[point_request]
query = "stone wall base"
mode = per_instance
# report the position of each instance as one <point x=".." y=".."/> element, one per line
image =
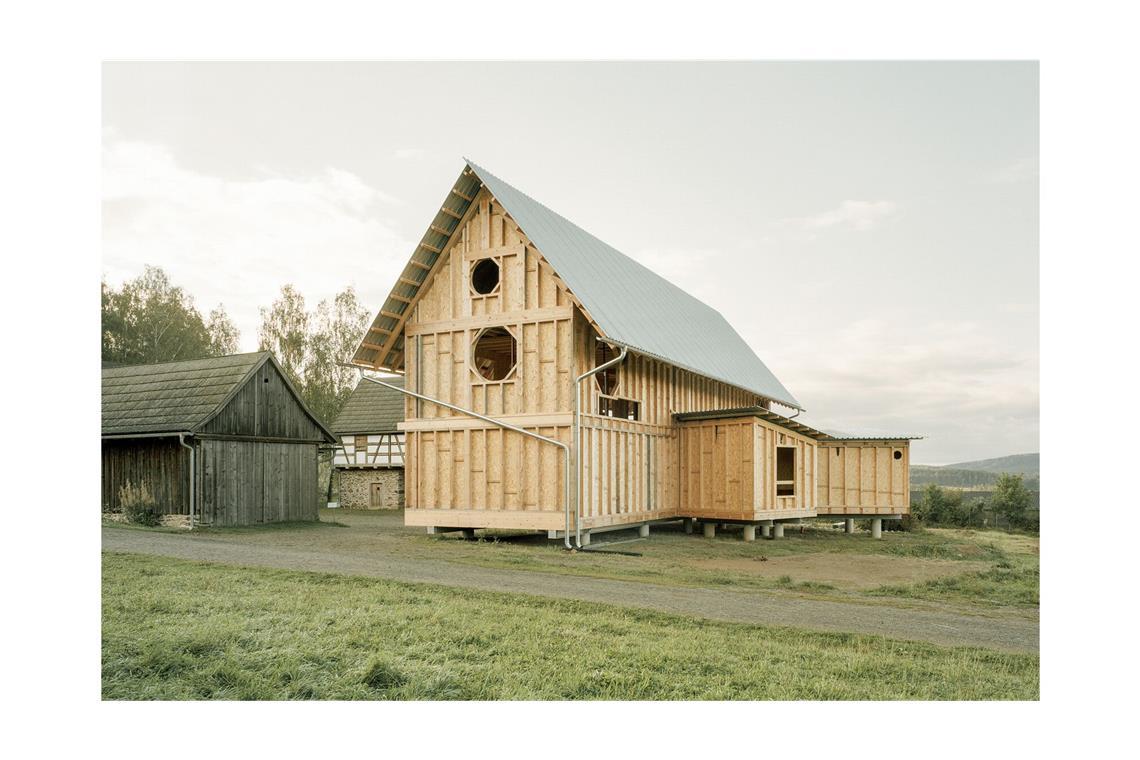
<point x="370" y="489"/>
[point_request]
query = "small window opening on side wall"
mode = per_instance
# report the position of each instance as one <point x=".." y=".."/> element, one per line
<point x="607" y="379"/>
<point x="785" y="471"/>
<point x="898" y="454"/>
<point x="621" y="408"/>
<point x="485" y="276"/>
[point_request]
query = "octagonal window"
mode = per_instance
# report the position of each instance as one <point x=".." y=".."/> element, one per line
<point x="485" y="276"/>
<point x="495" y="354"/>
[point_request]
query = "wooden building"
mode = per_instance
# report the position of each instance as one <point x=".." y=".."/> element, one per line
<point x="368" y="461"/>
<point x="226" y="440"/>
<point x="504" y="305"/>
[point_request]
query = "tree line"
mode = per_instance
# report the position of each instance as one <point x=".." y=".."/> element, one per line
<point x="1010" y="501"/>
<point x="149" y="320"/>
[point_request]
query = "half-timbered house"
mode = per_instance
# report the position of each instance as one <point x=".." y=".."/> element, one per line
<point x="368" y="461"/>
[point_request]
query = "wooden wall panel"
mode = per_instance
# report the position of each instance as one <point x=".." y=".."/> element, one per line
<point x="863" y="477"/>
<point x="253" y="482"/>
<point x="728" y="470"/>
<point x="161" y="463"/>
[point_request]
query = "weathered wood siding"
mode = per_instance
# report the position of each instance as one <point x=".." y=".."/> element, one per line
<point x="864" y="478"/>
<point x="252" y="482"/>
<point x="264" y="407"/>
<point x="728" y="470"/>
<point x="159" y="462"/>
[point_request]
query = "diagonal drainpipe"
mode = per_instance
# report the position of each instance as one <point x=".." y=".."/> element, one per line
<point x="506" y="426"/>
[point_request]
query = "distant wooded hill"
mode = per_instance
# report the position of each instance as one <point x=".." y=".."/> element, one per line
<point x="979" y="474"/>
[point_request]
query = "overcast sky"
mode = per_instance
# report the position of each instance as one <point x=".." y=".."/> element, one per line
<point x="870" y="229"/>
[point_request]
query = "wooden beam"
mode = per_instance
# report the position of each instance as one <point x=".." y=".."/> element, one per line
<point x="420" y="264"/>
<point x="467" y="198"/>
<point x="399" y="297"/>
<point x="450" y="213"/>
<point x="373" y="346"/>
<point x="431" y="248"/>
<point x="410" y="281"/>
<point x="440" y="230"/>
<point x="392" y="314"/>
<point x="379" y="330"/>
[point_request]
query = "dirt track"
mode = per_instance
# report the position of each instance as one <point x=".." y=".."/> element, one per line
<point x="939" y="627"/>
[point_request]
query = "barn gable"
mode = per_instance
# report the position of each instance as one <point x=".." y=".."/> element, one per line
<point x="624" y="301"/>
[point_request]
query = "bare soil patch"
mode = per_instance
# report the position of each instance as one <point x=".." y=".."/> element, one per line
<point x="846" y="571"/>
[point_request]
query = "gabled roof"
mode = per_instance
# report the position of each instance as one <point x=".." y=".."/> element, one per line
<point x="789" y="423"/>
<point x="630" y="304"/>
<point x="371" y="408"/>
<point x="179" y="397"/>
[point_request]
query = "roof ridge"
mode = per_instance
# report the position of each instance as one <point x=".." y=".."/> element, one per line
<point x="184" y="361"/>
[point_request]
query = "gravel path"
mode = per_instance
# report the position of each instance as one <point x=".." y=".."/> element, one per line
<point x="939" y="627"/>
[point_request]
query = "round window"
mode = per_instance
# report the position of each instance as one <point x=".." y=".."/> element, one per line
<point x="495" y="353"/>
<point x="898" y="454"/>
<point x="485" y="276"/>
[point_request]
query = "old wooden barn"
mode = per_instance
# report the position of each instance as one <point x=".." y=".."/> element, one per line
<point x="222" y="441"/>
<point x="516" y="318"/>
<point x="369" y="458"/>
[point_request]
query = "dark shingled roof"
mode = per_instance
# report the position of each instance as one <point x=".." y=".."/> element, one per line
<point x="371" y="408"/>
<point x="175" y="397"/>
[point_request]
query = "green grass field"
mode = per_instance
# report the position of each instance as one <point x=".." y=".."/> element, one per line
<point x="174" y="629"/>
<point x="1010" y="577"/>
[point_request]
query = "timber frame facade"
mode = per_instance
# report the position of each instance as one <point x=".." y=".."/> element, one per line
<point x="481" y="319"/>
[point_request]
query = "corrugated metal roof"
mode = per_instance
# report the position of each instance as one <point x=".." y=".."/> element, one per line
<point x="791" y="424"/>
<point x="372" y="408"/>
<point x="634" y="306"/>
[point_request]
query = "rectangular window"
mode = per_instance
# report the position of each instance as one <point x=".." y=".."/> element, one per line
<point x="621" y="408"/>
<point x="785" y="470"/>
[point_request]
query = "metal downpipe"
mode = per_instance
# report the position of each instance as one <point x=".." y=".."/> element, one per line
<point x="577" y="441"/>
<point x="499" y="423"/>
<point x="193" y="472"/>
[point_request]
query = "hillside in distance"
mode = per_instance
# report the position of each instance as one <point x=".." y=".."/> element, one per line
<point x="1018" y="464"/>
<point x="979" y="474"/>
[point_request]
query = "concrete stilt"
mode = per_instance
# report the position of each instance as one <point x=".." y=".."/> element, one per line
<point x="688" y="524"/>
<point x="849" y="525"/>
<point x="710" y="530"/>
<point x="469" y="534"/>
<point x="766" y="531"/>
<point x="643" y="530"/>
<point x="877" y="527"/>
<point x="585" y="538"/>
<point x="749" y="532"/>
<point x="778" y="530"/>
